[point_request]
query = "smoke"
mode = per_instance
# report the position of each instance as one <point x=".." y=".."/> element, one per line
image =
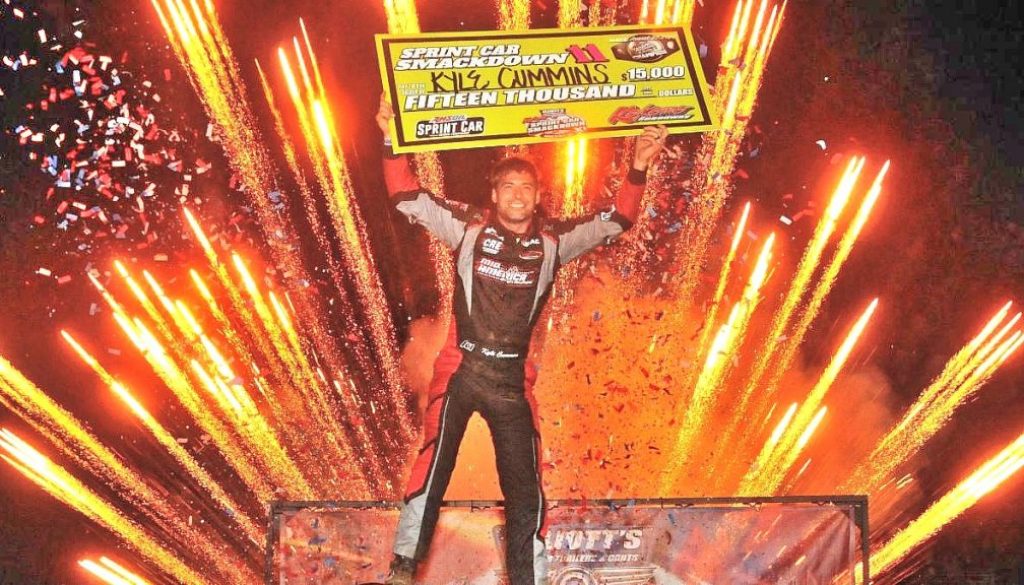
<point x="426" y="337"/>
<point x="616" y="372"/>
<point x="861" y="409"/>
<point x="475" y="476"/>
<point x="612" y="371"/>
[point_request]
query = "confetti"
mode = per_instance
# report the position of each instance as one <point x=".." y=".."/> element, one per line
<point x="98" y="131"/>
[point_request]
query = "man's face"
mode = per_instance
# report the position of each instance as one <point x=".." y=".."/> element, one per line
<point x="516" y="196"/>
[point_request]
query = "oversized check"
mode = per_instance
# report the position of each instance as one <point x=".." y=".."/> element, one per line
<point x="495" y="88"/>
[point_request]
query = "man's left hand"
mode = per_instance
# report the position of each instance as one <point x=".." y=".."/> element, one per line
<point x="648" y="145"/>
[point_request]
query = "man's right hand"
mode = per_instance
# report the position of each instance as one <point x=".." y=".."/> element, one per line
<point x="385" y="115"/>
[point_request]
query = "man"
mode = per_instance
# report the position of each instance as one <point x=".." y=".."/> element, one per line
<point x="506" y="259"/>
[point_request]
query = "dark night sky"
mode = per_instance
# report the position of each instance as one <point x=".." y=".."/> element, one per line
<point x="937" y="89"/>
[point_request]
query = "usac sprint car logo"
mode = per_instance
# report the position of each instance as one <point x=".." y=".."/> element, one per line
<point x="450" y="127"/>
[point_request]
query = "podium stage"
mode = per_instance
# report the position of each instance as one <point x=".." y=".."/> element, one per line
<point x="714" y="541"/>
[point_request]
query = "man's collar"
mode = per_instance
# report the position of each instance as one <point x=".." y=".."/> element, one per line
<point x="532" y="230"/>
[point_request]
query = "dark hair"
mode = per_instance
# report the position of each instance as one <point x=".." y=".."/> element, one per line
<point x="512" y="164"/>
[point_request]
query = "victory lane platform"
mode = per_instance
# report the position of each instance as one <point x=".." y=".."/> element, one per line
<point x="819" y="539"/>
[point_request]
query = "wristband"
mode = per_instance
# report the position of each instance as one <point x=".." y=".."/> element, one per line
<point x="636" y="176"/>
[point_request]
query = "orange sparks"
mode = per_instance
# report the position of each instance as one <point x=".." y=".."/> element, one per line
<point x="736" y="89"/>
<point x="514" y="14"/>
<point x="575" y="177"/>
<point x="962" y="376"/>
<point x="988" y="477"/>
<point x="299" y="391"/>
<point x="251" y="529"/>
<point x="723" y="280"/>
<point x="197" y="40"/>
<point x="808" y="265"/>
<point x="729" y="338"/>
<point x="660" y="12"/>
<point x="809" y="432"/>
<point x="827" y="280"/>
<point x="766" y="477"/>
<point x="87" y="357"/>
<point x="178" y="381"/>
<point x="402" y="17"/>
<point x="57" y="482"/>
<point x="781" y="428"/>
<point x="111" y="572"/>
<point x="315" y="121"/>
<point x="65" y="431"/>
<point x="196" y="37"/>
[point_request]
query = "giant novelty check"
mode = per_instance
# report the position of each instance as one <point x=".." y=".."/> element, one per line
<point x="495" y="88"/>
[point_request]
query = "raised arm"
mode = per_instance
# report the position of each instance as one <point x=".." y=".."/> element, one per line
<point x="445" y="219"/>
<point x="398" y="175"/>
<point x="578" y="236"/>
<point x="648" y="145"/>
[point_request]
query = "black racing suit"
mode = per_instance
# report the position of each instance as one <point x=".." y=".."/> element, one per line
<point x="502" y="282"/>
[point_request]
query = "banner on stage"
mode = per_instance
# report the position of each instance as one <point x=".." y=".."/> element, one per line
<point x="664" y="542"/>
<point x="496" y="88"/>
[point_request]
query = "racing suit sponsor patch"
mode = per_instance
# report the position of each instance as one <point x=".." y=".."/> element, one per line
<point x="508" y="274"/>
